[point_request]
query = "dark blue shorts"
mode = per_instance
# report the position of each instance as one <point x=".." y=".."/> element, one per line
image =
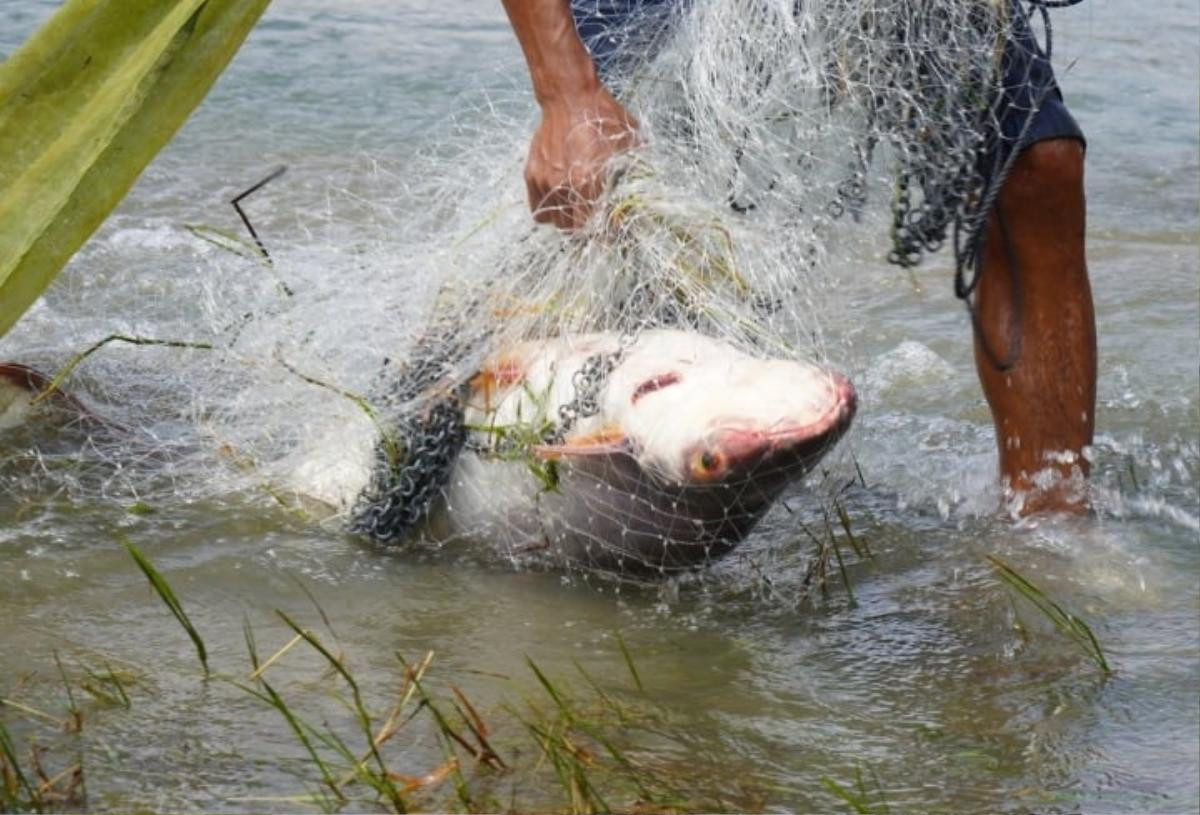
<point x="608" y="30"/>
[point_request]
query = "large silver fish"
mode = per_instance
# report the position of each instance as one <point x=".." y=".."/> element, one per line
<point x="685" y="446"/>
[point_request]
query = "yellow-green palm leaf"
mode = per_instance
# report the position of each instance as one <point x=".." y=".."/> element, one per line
<point x="85" y="104"/>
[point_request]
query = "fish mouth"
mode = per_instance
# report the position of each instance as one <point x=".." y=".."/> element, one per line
<point x="790" y="449"/>
<point x="823" y="432"/>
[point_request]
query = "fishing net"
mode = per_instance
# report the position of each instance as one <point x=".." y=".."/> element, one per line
<point x="772" y="131"/>
<point x="768" y="126"/>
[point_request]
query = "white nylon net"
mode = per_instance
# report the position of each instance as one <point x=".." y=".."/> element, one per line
<point x="633" y="397"/>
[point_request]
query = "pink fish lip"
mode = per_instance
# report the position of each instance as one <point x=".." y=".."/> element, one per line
<point x="836" y="420"/>
<point x="744" y="449"/>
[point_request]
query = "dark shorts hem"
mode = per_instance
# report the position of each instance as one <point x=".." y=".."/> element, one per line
<point x="1030" y="90"/>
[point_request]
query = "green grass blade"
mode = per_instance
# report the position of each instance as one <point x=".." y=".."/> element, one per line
<point x="163" y="589"/>
<point x="837" y="553"/>
<point x="851" y="799"/>
<point x="860" y="546"/>
<point x="99" y="684"/>
<point x="276" y="701"/>
<point x="859" y="799"/>
<point x="606" y="700"/>
<point x="15" y="776"/>
<point x="320" y="648"/>
<point x="85" y="104"/>
<point x="251" y="645"/>
<point x="313" y="599"/>
<point x="75" y="360"/>
<point x="551" y="691"/>
<point x="116" y="682"/>
<point x="1065" y="621"/>
<point x="858" y="469"/>
<point x="62" y="672"/>
<point x="225" y="240"/>
<point x="637" y="680"/>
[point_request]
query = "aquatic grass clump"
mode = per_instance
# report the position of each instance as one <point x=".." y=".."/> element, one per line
<point x="860" y="798"/>
<point x="587" y="741"/>
<point x="25" y="783"/>
<point x="27" y="787"/>
<point x="829" y="544"/>
<point x="337" y="763"/>
<point x="569" y="738"/>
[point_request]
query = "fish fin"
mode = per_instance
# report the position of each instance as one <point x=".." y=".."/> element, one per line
<point x="496" y="378"/>
<point x="23" y="377"/>
<point x="606" y="441"/>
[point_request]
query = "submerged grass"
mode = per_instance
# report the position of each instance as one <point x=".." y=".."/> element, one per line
<point x="107" y="687"/>
<point x="74" y="722"/>
<point x="595" y="749"/>
<point x="301" y="731"/>
<point x="860" y="798"/>
<point x="837" y="527"/>
<point x="633" y="672"/>
<point x="380" y="780"/>
<point x="1066" y="622"/>
<point x="585" y="743"/>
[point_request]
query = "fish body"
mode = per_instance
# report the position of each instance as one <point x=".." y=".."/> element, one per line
<point x="25" y="392"/>
<point x="648" y="457"/>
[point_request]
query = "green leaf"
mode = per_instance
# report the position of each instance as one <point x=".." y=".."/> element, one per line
<point x="85" y="104"/>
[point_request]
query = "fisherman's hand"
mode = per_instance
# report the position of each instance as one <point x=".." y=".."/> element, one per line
<point x="566" y="169"/>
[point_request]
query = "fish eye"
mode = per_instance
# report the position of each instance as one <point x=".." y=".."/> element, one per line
<point x="707" y="464"/>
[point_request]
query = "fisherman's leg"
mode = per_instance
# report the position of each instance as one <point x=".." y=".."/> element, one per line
<point x="1034" y="283"/>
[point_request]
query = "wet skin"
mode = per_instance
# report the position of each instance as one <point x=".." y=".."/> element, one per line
<point x="1045" y="403"/>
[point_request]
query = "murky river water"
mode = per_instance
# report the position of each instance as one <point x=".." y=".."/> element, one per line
<point x="931" y="685"/>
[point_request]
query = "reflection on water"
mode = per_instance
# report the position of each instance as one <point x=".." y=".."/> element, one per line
<point x="932" y="680"/>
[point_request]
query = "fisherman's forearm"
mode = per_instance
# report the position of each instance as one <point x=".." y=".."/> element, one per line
<point x="559" y="65"/>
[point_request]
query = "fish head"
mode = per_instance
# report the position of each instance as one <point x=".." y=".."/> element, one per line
<point x="715" y="416"/>
<point x="687" y="444"/>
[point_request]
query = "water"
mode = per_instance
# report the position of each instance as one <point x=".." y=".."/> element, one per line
<point x="926" y="684"/>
